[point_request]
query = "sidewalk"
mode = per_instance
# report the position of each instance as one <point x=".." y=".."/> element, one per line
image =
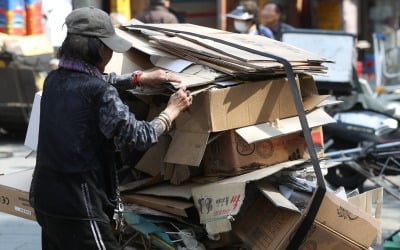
<point x="16" y="233"/>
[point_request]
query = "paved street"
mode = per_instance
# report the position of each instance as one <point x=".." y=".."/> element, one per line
<point x="22" y="234"/>
<point x="16" y="233"/>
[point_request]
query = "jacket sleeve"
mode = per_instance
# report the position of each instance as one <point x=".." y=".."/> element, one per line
<point x="117" y="122"/>
<point x="121" y="82"/>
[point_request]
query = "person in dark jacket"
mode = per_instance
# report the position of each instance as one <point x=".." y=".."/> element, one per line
<point x="246" y="19"/>
<point x="158" y="12"/>
<point x="272" y="14"/>
<point x="82" y="120"/>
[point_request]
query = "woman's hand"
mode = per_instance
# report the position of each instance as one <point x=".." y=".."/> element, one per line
<point x="178" y="102"/>
<point x="155" y="78"/>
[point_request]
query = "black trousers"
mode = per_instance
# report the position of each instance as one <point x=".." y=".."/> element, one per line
<point x="64" y="234"/>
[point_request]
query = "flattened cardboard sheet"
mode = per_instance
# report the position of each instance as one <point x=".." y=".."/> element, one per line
<point x="152" y="161"/>
<point x="167" y="190"/>
<point x="275" y="196"/>
<point x="172" y="206"/>
<point x="347" y="220"/>
<point x="264" y="131"/>
<point x="219" y="200"/>
<point x="141" y="43"/>
<point x="187" y="148"/>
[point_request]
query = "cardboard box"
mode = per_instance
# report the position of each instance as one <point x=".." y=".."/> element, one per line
<point x="14" y="194"/>
<point x="265" y="131"/>
<point x="338" y="224"/>
<point x="247" y="104"/>
<point x="274" y="225"/>
<point x="235" y="107"/>
<point x="219" y="201"/>
<point x="231" y="155"/>
<point x="276" y="217"/>
<point x="193" y="144"/>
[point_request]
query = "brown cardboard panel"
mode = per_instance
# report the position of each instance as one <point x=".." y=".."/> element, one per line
<point x="367" y="200"/>
<point x="231" y="155"/>
<point x="140" y="42"/>
<point x="347" y="220"/>
<point x="181" y="173"/>
<point x="249" y="103"/>
<point x="128" y="62"/>
<point x="217" y="201"/>
<point x="135" y="60"/>
<point x="370" y="202"/>
<point x="264" y="44"/>
<point x="115" y="63"/>
<point x="234" y="107"/>
<point x="141" y="183"/>
<point x="264" y="131"/>
<point x="320" y="237"/>
<point x="265" y="226"/>
<point x="172" y="206"/>
<point x="14" y="194"/>
<point x="152" y="161"/>
<point x="169" y="171"/>
<point x="262" y="173"/>
<point x="221" y="199"/>
<point x="187" y="148"/>
<point x="244" y="105"/>
<point x="274" y="196"/>
<point x="310" y="102"/>
<point x="190" y="79"/>
<point x="200" y="51"/>
<point x="275" y="226"/>
<point x="258" y="43"/>
<point x="237" y="106"/>
<point x="168" y="190"/>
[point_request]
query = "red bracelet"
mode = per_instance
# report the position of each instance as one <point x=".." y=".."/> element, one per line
<point x="135" y="78"/>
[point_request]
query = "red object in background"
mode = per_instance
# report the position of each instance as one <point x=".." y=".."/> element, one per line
<point x="317" y="137"/>
<point x="34" y="24"/>
<point x="359" y="68"/>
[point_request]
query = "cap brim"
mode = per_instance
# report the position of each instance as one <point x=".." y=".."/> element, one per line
<point x="242" y="17"/>
<point x="116" y="43"/>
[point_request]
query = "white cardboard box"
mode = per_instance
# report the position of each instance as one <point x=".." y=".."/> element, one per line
<point x="32" y="134"/>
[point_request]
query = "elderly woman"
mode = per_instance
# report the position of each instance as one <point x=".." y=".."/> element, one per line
<point x="74" y="188"/>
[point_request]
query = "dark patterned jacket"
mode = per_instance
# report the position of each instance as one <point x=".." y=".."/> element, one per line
<point x="82" y="118"/>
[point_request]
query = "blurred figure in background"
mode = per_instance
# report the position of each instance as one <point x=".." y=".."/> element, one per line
<point x="246" y="19"/>
<point x="158" y="12"/>
<point x="272" y="14"/>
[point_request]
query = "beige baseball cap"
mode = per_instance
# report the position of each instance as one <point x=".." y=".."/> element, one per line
<point x="90" y="21"/>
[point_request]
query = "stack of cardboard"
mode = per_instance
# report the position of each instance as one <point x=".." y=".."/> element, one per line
<point x="235" y="164"/>
<point x="243" y="127"/>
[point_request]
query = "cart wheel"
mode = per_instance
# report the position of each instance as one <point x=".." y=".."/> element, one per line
<point x="344" y="175"/>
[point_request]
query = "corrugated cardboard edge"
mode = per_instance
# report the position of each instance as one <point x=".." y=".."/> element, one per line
<point x="231" y="188"/>
<point x="187" y="148"/>
<point x="21" y="191"/>
<point x="265" y="131"/>
<point x="348" y="210"/>
<point x="167" y="205"/>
